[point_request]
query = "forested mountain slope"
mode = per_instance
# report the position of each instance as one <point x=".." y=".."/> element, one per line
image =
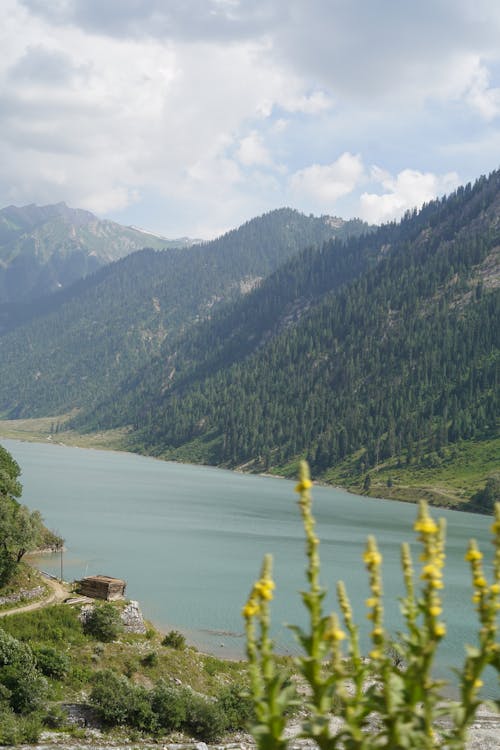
<point x="45" y="248"/>
<point x="400" y="359"/>
<point x="108" y="325"/>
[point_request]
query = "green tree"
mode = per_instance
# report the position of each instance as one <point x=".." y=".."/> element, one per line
<point x="104" y="623"/>
<point x="490" y="494"/>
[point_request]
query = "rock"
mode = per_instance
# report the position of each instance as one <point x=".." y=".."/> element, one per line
<point x="24" y="594"/>
<point x="132" y="619"/>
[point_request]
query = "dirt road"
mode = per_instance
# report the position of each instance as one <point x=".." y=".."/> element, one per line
<point x="58" y="594"/>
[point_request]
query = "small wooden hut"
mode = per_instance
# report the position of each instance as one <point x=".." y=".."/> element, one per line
<point x="102" y="587"/>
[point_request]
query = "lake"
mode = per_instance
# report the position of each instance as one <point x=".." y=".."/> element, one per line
<point x="189" y="541"/>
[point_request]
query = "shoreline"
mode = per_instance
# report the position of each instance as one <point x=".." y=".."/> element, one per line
<point x="79" y="442"/>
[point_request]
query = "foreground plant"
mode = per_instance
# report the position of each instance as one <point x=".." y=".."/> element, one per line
<point x="383" y="701"/>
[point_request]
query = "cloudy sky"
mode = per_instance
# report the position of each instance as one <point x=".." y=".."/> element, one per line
<point x="188" y="117"/>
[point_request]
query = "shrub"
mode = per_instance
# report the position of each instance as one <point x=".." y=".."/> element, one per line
<point x="10" y="728"/>
<point x="18" y="674"/>
<point x="56" y="717"/>
<point x="150" y="660"/>
<point x="237" y="707"/>
<point x="104" y="623"/>
<point x="204" y="719"/>
<point x="111" y="696"/>
<point x="140" y="713"/>
<point x="402" y="708"/>
<point x="169" y="706"/>
<point x="174" y="639"/>
<point x="51" y="662"/>
<point x="120" y="703"/>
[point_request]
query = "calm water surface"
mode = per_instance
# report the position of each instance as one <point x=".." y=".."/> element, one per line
<point x="189" y="541"/>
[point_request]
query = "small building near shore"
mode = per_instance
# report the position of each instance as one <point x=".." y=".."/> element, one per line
<point x="102" y="587"/>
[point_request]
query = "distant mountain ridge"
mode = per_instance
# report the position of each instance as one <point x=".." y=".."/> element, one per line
<point x="45" y="248"/>
<point x="87" y="338"/>
<point x="381" y="351"/>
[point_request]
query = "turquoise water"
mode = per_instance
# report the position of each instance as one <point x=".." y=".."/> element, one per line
<point x="189" y="541"/>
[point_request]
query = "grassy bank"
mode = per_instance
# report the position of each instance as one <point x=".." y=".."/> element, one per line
<point x="448" y="479"/>
<point x="135" y="686"/>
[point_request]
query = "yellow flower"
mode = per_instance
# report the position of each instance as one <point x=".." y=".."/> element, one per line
<point x="375" y="654"/>
<point x="430" y="571"/>
<point x="435" y="611"/>
<point x="436" y="584"/>
<point x="250" y="609"/>
<point x="377" y="632"/>
<point x="495" y="588"/>
<point x="304" y="484"/>
<point x="473" y="554"/>
<point x="371" y="602"/>
<point x="480" y="582"/>
<point x="478" y="683"/>
<point x="264" y="588"/>
<point x="439" y="629"/>
<point x="372" y="557"/>
<point x="425" y="526"/>
<point x="334" y="634"/>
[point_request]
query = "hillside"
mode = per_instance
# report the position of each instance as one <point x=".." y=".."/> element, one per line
<point x="395" y="358"/>
<point x="45" y="248"/>
<point x="90" y="337"/>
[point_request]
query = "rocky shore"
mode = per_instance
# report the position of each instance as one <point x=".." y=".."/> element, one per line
<point x="484" y="734"/>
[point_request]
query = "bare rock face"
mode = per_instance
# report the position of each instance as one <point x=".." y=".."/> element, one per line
<point x="24" y="594"/>
<point x="132" y="619"/>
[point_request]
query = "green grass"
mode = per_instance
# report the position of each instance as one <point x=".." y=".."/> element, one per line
<point x="42" y="430"/>
<point x="460" y="471"/>
<point x="58" y="626"/>
<point x="25" y="577"/>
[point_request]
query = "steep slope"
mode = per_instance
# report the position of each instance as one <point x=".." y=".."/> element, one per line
<point x="103" y="328"/>
<point x="44" y="248"/>
<point x="402" y="360"/>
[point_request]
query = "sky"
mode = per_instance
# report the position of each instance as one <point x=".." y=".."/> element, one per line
<point x="189" y="117"/>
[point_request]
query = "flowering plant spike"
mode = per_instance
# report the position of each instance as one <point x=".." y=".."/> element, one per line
<point x="391" y="699"/>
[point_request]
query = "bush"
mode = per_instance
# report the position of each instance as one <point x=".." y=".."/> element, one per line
<point x="237" y="707"/>
<point x="205" y="720"/>
<point x="51" y="662"/>
<point x="10" y="728"/>
<point x="140" y="713"/>
<point x="169" y="706"/>
<point x="174" y="639"/>
<point x="150" y="660"/>
<point x="120" y="703"/>
<point x="104" y="623"/>
<point x="111" y="696"/>
<point x="486" y="498"/>
<point x="19" y="675"/>
<point x="56" y="717"/>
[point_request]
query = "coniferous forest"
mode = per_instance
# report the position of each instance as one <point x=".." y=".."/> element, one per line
<point x="283" y="341"/>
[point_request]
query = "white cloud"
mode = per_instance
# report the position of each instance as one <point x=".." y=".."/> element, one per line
<point x="209" y="108"/>
<point x="252" y="151"/>
<point x="409" y="189"/>
<point x="479" y="95"/>
<point x="312" y="104"/>
<point x="326" y="183"/>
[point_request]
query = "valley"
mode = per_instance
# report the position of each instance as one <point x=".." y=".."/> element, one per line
<point x="372" y="352"/>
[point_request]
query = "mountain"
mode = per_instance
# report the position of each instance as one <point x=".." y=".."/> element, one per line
<point x="44" y="248"/>
<point x="381" y="348"/>
<point x="91" y="336"/>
